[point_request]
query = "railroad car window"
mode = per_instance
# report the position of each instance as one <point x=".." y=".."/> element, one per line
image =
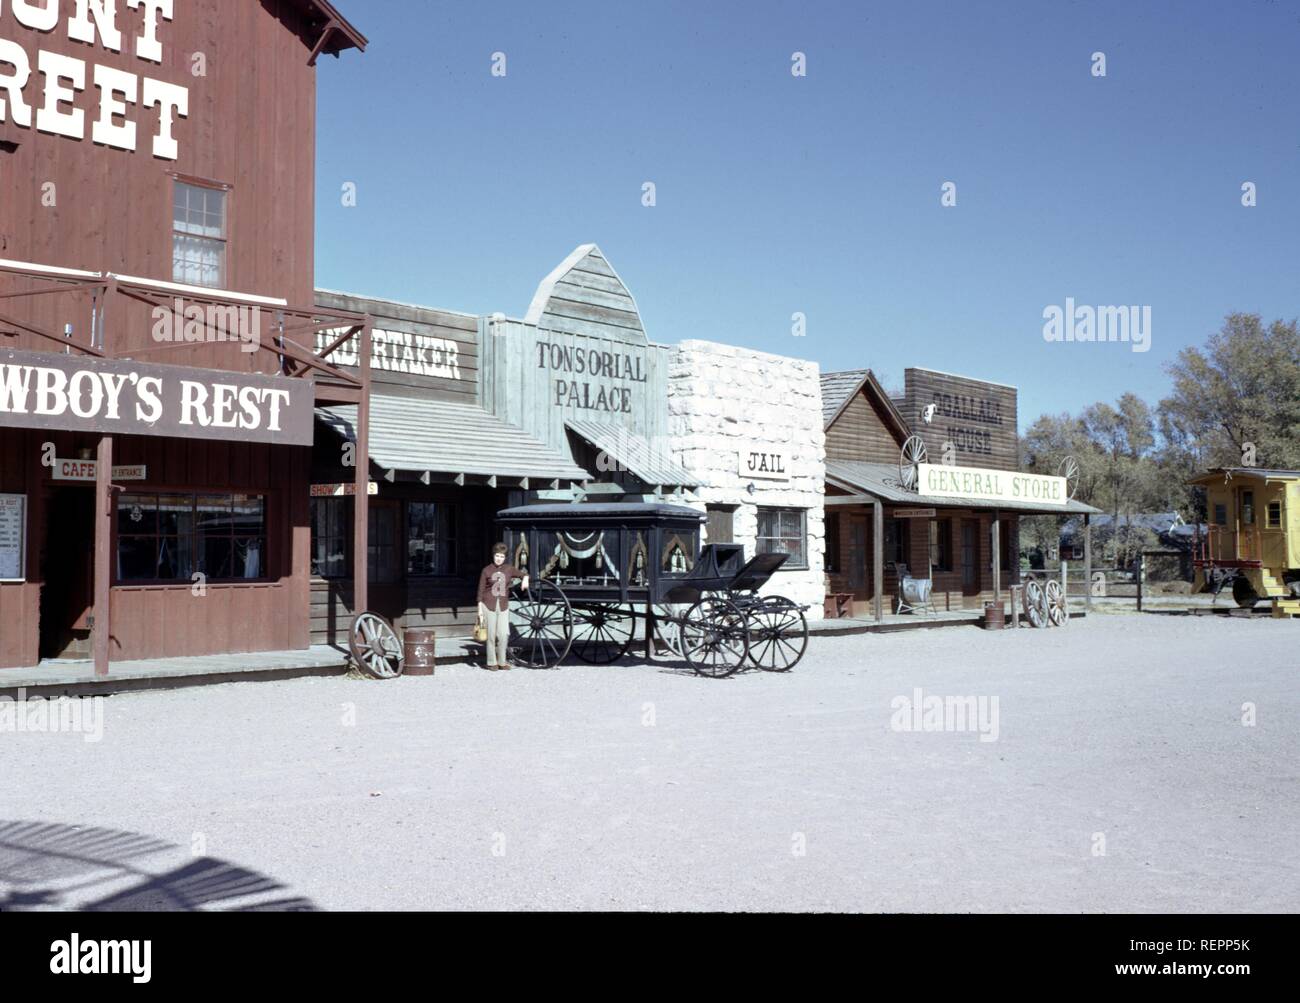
<point x="1221" y="515"/>
<point x="1248" y="507"/>
<point x="783" y="531"/>
<point x="1274" y="515"/>
<point x="199" y="236"/>
<point x="431" y="538"/>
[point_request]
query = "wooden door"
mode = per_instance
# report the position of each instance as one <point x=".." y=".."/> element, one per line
<point x="857" y="568"/>
<point x="970" y="582"/>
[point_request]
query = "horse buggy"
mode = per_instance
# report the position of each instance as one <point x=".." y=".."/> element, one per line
<point x="606" y="576"/>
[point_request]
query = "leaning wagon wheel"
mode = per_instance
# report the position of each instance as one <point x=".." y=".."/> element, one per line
<point x="715" y="637"/>
<point x="910" y="458"/>
<point x="602" y="632"/>
<point x="1058" y="613"/>
<point x="778" y="634"/>
<point x="1035" y="604"/>
<point x="1069" y="469"/>
<point x="541" y="626"/>
<point x="374" y="646"/>
<point x="667" y="626"/>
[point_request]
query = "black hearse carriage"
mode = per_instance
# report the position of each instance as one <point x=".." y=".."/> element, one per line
<point x="597" y="570"/>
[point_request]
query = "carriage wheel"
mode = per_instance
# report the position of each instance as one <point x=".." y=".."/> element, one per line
<point x="374" y="646"/>
<point x="910" y="458"/>
<point x="778" y="634"/>
<point x="668" y="629"/>
<point x="715" y="637"/>
<point x="541" y="626"/>
<point x="602" y="632"/>
<point x="1057" y="610"/>
<point x="1069" y="469"/>
<point x="1035" y="604"/>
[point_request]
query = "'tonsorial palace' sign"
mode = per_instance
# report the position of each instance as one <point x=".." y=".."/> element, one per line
<point x="38" y="390"/>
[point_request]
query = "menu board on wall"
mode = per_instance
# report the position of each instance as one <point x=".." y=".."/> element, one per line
<point x="13" y="538"/>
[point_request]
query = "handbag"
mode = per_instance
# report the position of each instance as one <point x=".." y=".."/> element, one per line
<point x="480" y="630"/>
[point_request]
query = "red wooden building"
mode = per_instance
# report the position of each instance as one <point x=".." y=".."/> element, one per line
<point x="159" y="364"/>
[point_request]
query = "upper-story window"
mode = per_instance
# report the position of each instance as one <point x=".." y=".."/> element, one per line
<point x="199" y="235"/>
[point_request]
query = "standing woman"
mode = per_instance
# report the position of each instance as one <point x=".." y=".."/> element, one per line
<point x="494" y="604"/>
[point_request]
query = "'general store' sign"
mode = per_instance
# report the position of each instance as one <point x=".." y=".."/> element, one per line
<point x="992" y="485"/>
<point x="85" y="394"/>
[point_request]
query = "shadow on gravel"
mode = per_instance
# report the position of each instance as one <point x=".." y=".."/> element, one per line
<point x="53" y="866"/>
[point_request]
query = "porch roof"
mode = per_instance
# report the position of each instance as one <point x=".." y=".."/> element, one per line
<point x="880" y="480"/>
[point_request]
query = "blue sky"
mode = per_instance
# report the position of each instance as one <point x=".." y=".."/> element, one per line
<point x="821" y="194"/>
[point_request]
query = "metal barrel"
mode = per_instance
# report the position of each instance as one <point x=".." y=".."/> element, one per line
<point x="995" y="616"/>
<point x="417" y="643"/>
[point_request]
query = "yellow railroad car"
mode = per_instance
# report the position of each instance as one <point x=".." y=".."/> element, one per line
<point x="1254" y="533"/>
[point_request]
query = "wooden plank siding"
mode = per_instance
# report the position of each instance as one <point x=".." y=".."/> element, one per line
<point x="977" y="417"/>
<point x="436" y="330"/>
<point x="250" y="125"/>
<point x="861" y="432"/>
<point x="150" y="621"/>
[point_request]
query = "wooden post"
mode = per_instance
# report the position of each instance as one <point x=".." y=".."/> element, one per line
<point x="878" y="557"/>
<point x="997" y="558"/>
<point x="103" y="552"/>
<point x="1141" y="576"/>
<point x="1087" y="563"/>
<point x="361" y="500"/>
<point x="1065" y="585"/>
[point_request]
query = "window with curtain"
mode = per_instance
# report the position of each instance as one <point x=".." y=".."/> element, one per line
<point x="172" y="537"/>
<point x="431" y="538"/>
<point x="199" y="235"/>
<point x="782" y="531"/>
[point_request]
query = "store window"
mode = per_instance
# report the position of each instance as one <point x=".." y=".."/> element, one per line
<point x="199" y="235"/>
<point x="941" y="544"/>
<point x="783" y="531"/>
<point x="383" y="567"/>
<point x="898" y="539"/>
<point x="331" y="527"/>
<point x="172" y="537"/>
<point x="832" y="542"/>
<point x="431" y="538"/>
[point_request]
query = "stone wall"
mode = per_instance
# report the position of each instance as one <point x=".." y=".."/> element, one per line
<point x="726" y="402"/>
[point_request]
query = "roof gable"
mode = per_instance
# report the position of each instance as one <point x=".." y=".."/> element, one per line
<point x="584" y="295"/>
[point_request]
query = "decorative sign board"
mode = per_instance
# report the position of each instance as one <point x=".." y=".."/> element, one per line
<point x="341" y="490"/>
<point x="13" y="538"/>
<point x="992" y="485"/>
<point x="914" y="513"/>
<point x="763" y="463"/>
<point x="86" y="470"/>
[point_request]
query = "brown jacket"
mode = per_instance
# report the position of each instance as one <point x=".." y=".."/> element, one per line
<point x="494" y="586"/>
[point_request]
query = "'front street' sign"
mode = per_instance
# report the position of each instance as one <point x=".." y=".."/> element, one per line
<point x="992" y="485"/>
<point x="86" y="394"/>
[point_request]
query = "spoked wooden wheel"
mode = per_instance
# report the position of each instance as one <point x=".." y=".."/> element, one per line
<point x="667" y="626"/>
<point x="1035" y="604"/>
<point x="1069" y="469"/>
<point x="1057" y="611"/>
<point x="778" y="634"/>
<point x="541" y="626"/>
<point x="715" y="637"/>
<point x="374" y="646"/>
<point x="602" y="632"/>
<point x="910" y="458"/>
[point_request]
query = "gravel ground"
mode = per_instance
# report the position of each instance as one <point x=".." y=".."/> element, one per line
<point x="640" y="786"/>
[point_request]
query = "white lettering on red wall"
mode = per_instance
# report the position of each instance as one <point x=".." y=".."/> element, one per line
<point x="66" y="96"/>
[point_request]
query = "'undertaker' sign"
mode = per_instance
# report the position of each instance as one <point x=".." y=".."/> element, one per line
<point x="79" y="393"/>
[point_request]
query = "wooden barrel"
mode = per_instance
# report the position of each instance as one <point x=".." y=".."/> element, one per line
<point x="417" y="643"/>
<point x="995" y="616"/>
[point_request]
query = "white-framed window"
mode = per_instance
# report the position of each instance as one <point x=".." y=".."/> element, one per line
<point x="199" y="235"/>
<point x="784" y="531"/>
